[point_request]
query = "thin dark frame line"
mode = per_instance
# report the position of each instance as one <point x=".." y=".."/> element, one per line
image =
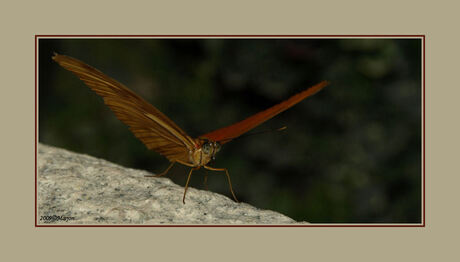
<point x="254" y="36"/>
<point x="423" y="142"/>
<point x="215" y="225"/>
<point x="36" y="130"/>
<point x="423" y="37"/>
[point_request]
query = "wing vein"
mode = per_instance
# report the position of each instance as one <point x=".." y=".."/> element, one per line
<point x="147" y="123"/>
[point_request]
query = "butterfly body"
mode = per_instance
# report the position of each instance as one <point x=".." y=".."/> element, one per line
<point x="161" y="134"/>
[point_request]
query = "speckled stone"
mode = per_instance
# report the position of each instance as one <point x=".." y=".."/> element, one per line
<point x="80" y="189"/>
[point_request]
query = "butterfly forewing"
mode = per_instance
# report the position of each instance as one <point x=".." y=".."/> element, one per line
<point x="148" y="124"/>
<point x="226" y="134"/>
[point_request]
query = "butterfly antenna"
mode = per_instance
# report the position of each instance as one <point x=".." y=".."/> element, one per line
<point x="255" y="133"/>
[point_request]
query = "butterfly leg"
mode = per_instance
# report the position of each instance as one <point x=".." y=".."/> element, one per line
<point x="164" y="172"/>
<point x="228" y="177"/>
<point x="186" y="183"/>
<point x="205" y="181"/>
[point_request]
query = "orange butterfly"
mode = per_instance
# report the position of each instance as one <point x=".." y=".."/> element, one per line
<point x="161" y="134"/>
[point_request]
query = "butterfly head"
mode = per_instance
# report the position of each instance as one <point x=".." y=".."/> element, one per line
<point x="209" y="150"/>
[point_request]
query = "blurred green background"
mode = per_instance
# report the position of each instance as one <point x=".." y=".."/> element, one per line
<point x="350" y="154"/>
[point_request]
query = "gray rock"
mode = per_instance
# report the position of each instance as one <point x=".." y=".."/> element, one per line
<point x="80" y="189"/>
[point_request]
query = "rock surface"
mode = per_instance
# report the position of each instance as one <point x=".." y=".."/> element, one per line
<point x="80" y="189"/>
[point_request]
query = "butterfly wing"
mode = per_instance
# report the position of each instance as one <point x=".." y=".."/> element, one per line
<point x="228" y="133"/>
<point x="148" y="124"/>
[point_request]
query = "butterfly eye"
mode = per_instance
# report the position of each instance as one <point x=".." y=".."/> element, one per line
<point x="206" y="148"/>
<point x="217" y="146"/>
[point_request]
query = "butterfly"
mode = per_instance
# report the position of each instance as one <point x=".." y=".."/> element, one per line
<point x="161" y="134"/>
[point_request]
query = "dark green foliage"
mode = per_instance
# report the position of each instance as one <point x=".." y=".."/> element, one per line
<point x="351" y="153"/>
